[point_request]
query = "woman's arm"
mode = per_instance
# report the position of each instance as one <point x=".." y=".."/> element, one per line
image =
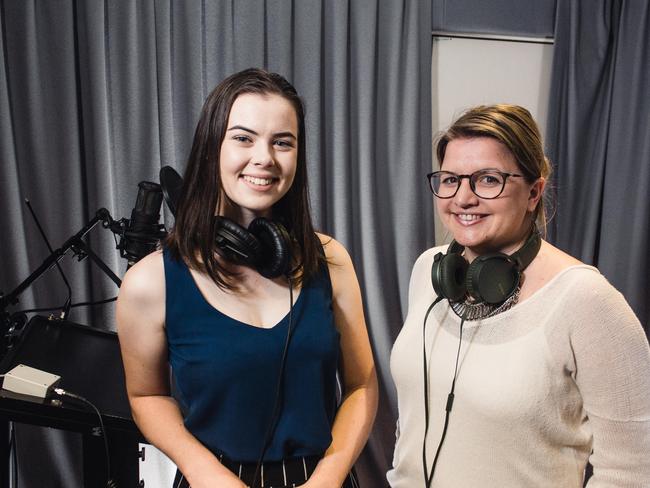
<point x="612" y="371"/>
<point x="140" y="324"/>
<point x="356" y="414"/>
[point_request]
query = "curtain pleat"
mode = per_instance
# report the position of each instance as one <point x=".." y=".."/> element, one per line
<point x="599" y="140"/>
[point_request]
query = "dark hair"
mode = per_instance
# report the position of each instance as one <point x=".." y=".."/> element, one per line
<point x="192" y="236"/>
<point x="515" y="128"/>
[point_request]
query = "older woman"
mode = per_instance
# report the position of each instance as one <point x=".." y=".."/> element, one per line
<point x="533" y="364"/>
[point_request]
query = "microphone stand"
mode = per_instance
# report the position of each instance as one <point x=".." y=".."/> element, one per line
<point x="78" y="246"/>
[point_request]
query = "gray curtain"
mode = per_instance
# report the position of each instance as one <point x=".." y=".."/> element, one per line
<point x="599" y="140"/>
<point x="97" y="95"/>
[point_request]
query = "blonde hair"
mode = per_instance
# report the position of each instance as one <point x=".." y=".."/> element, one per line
<point x="515" y="128"/>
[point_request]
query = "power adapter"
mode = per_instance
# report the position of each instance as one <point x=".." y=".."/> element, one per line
<point x="30" y="381"/>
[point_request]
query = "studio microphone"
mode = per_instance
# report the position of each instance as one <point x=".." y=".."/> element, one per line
<point x="140" y="234"/>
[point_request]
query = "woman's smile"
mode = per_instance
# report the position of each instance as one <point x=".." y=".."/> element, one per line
<point x="259" y="183"/>
<point x="469" y="219"/>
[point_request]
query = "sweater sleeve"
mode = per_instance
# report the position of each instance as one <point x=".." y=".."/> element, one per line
<point x="612" y="372"/>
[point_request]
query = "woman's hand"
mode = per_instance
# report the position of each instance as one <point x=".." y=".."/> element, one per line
<point x="312" y="483"/>
<point x="214" y="482"/>
<point x="309" y="484"/>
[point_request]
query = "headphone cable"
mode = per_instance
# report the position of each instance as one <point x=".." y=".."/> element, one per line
<point x="428" y="474"/>
<point x="278" y="393"/>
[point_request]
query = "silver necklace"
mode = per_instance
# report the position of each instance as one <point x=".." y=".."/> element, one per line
<point x="470" y="310"/>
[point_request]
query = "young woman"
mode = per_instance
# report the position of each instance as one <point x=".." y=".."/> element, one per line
<point x="533" y="363"/>
<point x="253" y="311"/>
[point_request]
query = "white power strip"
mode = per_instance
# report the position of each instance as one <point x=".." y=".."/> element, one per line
<point x="30" y="381"/>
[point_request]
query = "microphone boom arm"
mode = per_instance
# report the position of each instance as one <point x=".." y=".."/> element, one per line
<point x="78" y="246"/>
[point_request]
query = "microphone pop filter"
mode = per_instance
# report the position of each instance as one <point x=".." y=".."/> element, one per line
<point x="171" y="183"/>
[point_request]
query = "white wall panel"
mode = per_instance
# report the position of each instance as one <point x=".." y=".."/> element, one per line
<point x="472" y="71"/>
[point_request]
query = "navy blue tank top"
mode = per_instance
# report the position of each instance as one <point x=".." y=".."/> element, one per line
<point x="226" y="371"/>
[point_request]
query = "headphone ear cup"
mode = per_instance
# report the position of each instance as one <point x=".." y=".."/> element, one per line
<point x="235" y="243"/>
<point x="448" y="275"/>
<point x="492" y="278"/>
<point x="275" y="257"/>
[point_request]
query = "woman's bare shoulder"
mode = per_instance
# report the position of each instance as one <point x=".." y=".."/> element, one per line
<point x="142" y="295"/>
<point x="146" y="278"/>
<point x="335" y="252"/>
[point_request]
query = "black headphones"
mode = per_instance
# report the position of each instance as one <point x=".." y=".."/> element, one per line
<point x="491" y="278"/>
<point x="265" y="246"/>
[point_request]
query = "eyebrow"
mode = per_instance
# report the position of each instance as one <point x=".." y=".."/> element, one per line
<point x="477" y="171"/>
<point x="251" y="131"/>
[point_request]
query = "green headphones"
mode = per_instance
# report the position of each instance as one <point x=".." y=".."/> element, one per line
<point x="491" y="278"/>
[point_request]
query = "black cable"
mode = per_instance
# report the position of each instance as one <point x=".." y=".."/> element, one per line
<point x="68" y="301"/>
<point x="88" y="304"/>
<point x="32" y="310"/>
<point x="426" y="388"/>
<point x="61" y="392"/>
<point x="448" y="407"/>
<point x="428" y="474"/>
<point x="278" y="393"/>
<point x="116" y="241"/>
<point x="83" y="304"/>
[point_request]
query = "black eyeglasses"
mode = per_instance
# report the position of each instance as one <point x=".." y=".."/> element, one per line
<point x="485" y="183"/>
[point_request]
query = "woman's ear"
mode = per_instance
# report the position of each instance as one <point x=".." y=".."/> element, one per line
<point x="536" y="192"/>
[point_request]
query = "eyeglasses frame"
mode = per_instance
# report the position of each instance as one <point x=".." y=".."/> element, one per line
<point x="471" y="183"/>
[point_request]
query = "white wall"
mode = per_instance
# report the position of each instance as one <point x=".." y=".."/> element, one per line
<point x="468" y="72"/>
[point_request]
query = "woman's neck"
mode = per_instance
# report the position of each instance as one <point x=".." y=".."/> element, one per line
<point x="241" y="215"/>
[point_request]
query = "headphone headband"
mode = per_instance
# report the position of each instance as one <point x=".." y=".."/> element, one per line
<point x="490" y="278"/>
<point x="264" y="246"/>
<point x="522" y="257"/>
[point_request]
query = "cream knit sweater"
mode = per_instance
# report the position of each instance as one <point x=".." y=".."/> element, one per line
<point x="540" y="386"/>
